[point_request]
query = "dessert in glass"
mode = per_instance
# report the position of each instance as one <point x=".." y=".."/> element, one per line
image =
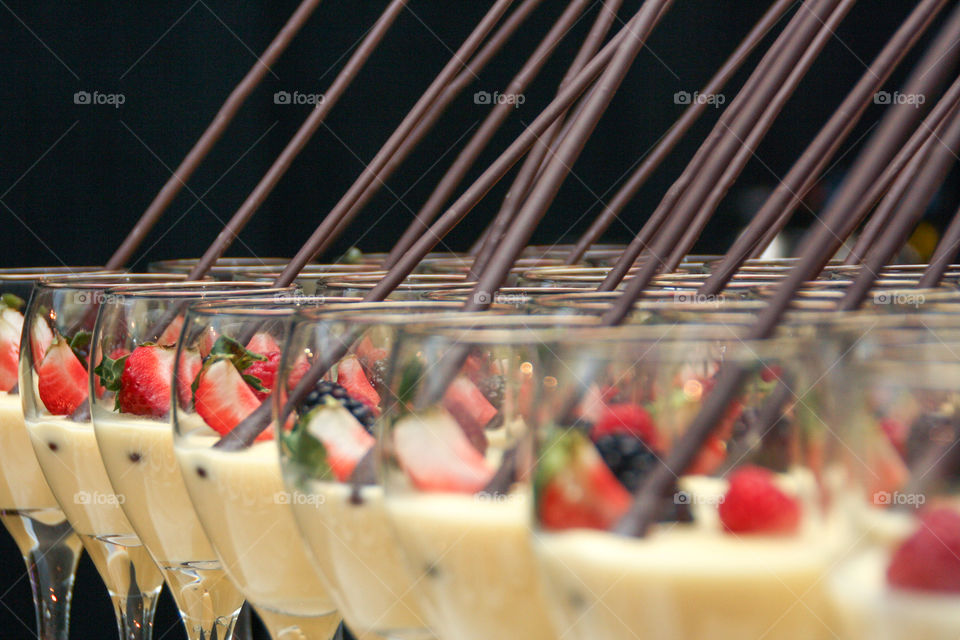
<point x="238" y="494"/>
<point x="55" y="381"/>
<point x="133" y="347"/>
<point x="741" y="546"/>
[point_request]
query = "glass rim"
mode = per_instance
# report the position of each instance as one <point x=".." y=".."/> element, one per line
<point x="255" y="304"/>
<point x="110" y="280"/>
<point x="194" y="288"/>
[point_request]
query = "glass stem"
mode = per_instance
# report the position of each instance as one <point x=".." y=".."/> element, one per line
<point x="135" y="610"/>
<point x="52" y="563"/>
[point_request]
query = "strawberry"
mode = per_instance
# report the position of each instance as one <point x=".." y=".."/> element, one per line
<point x="351" y="377"/>
<point x="711" y="456"/>
<point x="145" y="381"/>
<point x="171" y="334"/>
<point x="297" y="371"/>
<point x="626" y="418"/>
<point x="266" y="372"/>
<point x="41" y="336"/>
<point x="223" y="398"/>
<point x="437" y="456"/>
<point x="929" y="560"/>
<point x="897" y="432"/>
<point x="368" y="353"/>
<point x="9" y="352"/>
<point x="467" y="404"/>
<point x="190" y="365"/>
<point x="206" y="341"/>
<point x="574" y="487"/>
<point x="771" y="373"/>
<point x="263" y="343"/>
<point x="345" y="440"/>
<point x="755" y="504"/>
<point x="61" y="379"/>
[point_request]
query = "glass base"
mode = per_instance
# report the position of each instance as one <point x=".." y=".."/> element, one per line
<point x="287" y="627"/>
<point x="208" y="601"/>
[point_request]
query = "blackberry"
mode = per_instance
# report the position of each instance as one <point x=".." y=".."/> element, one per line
<point x="627" y="456"/>
<point x="325" y="389"/>
<point x="493" y="389"/>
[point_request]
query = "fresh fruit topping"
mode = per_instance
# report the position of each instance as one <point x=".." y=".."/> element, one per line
<point x="929" y="560"/>
<point x="265" y="371"/>
<point x="711" y="456"/>
<point x="61" y="379"/>
<point x="351" y="377"/>
<point x="368" y="353"/>
<point x="13" y="301"/>
<point x="771" y="373"/>
<point x="329" y="437"/>
<point x="755" y="504"/>
<point x="145" y="381"/>
<point x="437" y="456"/>
<point x="595" y="402"/>
<point x="897" y="433"/>
<point x="889" y="471"/>
<point x="326" y="389"/>
<point x="223" y="398"/>
<point x="626" y="418"/>
<point x="171" y="334"/>
<point x="9" y="353"/>
<point x="627" y="456"/>
<point x="297" y="371"/>
<point x="206" y="341"/>
<point x="263" y="343"/>
<point x="470" y="408"/>
<point x="189" y="366"/>
<point x="41" y="337"/>
<point x="574" y="488"/>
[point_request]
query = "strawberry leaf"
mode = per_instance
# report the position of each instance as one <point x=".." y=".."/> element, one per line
<point x="80" y="344"/>
<point x="255" y="382"/>
<point x="305" y="450"/>
<point x="13" y="301"/>
<point x="242" y="357"/>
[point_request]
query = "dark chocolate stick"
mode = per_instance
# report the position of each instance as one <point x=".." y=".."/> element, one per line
<point x="213" y="132"/>
<point x="676" y="133"/>
<point x="279" y="167"/>
<point x="372" y="170"/>
<point x="944" y="254"/>
<point x="484" y="134"/>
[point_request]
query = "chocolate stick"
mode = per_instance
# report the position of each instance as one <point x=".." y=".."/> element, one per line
<point x="945" y="253"/>
<point x="930" y="165"/>
<point x="279" y="167"/>
<point x="705" y="209"/>
<point x="819" y="244"/>
<point x="725" y="137"/>
<point x="879" y="188"/>
<point x="213" y="132"/>
<point x="371" y="171"/>
<point x="484" y="134"/>
<point x="529" y="170"/>
<point x="676" y="133"/>
<point x="719" y="131"/>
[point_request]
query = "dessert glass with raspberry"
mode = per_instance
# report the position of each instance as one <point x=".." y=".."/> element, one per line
<point x="903" y="579"/>
<point x="28" y="510"/>
<point x="133" y="348"/>
<point x="740" y="546"/>
<point x="225" y="366"/>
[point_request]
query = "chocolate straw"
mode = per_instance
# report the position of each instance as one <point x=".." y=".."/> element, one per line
<point x="371" y="171"/>
<point x="676" y="133"/>
<point x="529" y="170"/>
<point x="879" y="188"/>
<point x="279" y="167"/>
<point x="719" y="131"/>
<point x="930" y="165"/>
<point x="945" y="253"/>
<point x="213" y="132"/>
<point x="818" y="246"/>
<point x="705" y="209"/>
<point x="726" y="136"/>
<point x="484" y="134"/>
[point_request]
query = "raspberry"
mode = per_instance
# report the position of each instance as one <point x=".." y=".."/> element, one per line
<point x="754" y="504"/>
<point x="929" y="560"/>
<point x="626" y="418"/>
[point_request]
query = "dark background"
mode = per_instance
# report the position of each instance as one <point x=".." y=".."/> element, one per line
<point x="74" y="178"/>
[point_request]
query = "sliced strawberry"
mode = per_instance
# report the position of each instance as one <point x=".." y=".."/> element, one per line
<point x="190" y="365"/>
<point x="437" y="456"/>
<point x="266" y="372"/>
<point x="889" y="471"/>
<point x="206" y="340"/>
<point x="626" y="418"/>
<point x="263" y="343"/>
<point x="223" y="398"/>
<point x="710" y="457"/>
<point x="344" y="439"/>
<point x="297" y="371"/>
<point x="171" y="334"/>
<point x="755" y="504"/>
<point x="41" y="336"/>
<point x="61" y="379"/>
<point x="351" y="377"/>
<point x="9" y="353"/>
<point x="897" y="432"/>
<point x="145" y="381"/>
<point x="467" y="404"/>
<point x="575" y="488"/>
<point x="369" y="353"/>
<point x="929" y="560"/>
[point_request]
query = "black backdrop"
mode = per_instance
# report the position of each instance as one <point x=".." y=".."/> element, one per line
<point x="74" y="177"/>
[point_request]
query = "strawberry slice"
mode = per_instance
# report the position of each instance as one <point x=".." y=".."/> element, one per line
<point x="467" y="404"/>
<point x="711" y="456"/>
<point x="575" y="488"/>
<point x="190" y="365"/>
<point x="351" y="377"/>
<point x="206" y="340"/>
<point x="437" y="456"/>
<point x="41" y="337"/>
<point x="344" y="439"/>
<point x="171" y="334"/>
<point x="263" y="343"/>
<point x="223" y="398"/>
<point x="9" y="352"/>
<point x="368" y="353"/>
<point x="61" y="379"/>
<point x="626" y="418"/>
<point x="145" y="381"/>
<point x="297" y="371"/>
